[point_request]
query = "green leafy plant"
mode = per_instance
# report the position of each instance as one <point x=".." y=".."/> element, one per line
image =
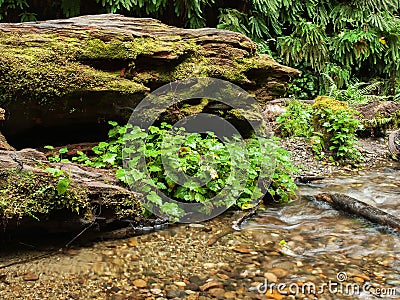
<point x="304" y="87"/>
<point x="189" y="152"/>
<point x="355" y="94"/>
<point x="330" y="125"/>
<point x="196" y="155"/>
<point x="63" y="179"/>
<point x="59" y="156"/>
<point x="11" y="6"/>
<point x="282" y="186"/>
<point x="296" y="120"/>
<point x="106" y="154"/>
<point x="337" y="125"/>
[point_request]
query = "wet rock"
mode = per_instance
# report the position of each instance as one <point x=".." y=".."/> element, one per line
<point x="180" y="284"/>
<point x="217" y="293"/>
<point x="242" y="249"/>
<point x="176" y="294"/>
<point x="196" y="280"/>
<point x="156" y="291"/>
<point x="31" y="277"/>
<point x="140" y="283"/>
<point x="279" y="272"/>
<point x="192" y="287"/>
<point x="230" y="295"/>
<point x="209" y="285"/>
<point x="271" y="277"/>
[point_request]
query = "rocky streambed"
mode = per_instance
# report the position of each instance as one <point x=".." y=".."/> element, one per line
<point x="326" y="255"/>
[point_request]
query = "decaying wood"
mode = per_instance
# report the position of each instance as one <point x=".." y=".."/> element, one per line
<point x="353" y="206"/>
<point x="97" y="192"/>
<point x="394" y="144"/>
<point x="245" y="216"/>
<point x="3" y="142"/>
<point x="85" y="69"/>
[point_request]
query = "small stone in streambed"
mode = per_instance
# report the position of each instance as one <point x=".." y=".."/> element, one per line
<point x="192" y="287"/>
<point x="31" y="277"/>
<point x="176" y="294"/>
<point x="196" y="280"/>
<point x="242" y="249"/>
<point x="230" y="295"/>
<point x="156" y="291"/>
<point x="180" y="284"/>
<point x="210" y="285"/>
<point x="217" y="293"/>
<point x="280" y="273"/>
<point x="140" y="283"/>
<point x="115" y="289"/>
<point x="271" y="277"/>
<point x="133" y="242"/>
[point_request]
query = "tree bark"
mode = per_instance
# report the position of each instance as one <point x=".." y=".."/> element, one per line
<point x="353" y="206"/>
<point x="92" y="69"/>
<point x="394" y="144"/>
<point x="29" y="196"/>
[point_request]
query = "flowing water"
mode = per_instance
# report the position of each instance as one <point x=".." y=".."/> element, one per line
<point x="337" y="255"/>
<point x="344" y="243"/>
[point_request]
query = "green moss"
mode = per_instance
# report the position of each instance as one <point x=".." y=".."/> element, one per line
<point x="322" y="102"/>
<point x="380" y="123"/>
<point x="256" y="62"/>
<point x="24" y="194"/>
<point x="191" y="109"/>
<point x="44" y="67"/>
<point x="96" y="49"/>
<point x="200" y="66"/>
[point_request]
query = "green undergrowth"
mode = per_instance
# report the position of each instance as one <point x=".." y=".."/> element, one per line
<point x="329" y="124"/>
<point x="196" y="155"/>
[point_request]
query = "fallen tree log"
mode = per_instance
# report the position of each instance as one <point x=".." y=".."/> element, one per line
<point x="3" y="142"/>
<point x="29" y="197"/>
<point x="353" y="206"/>
<point x="394" y="144"/>
<point x="378" y="117"/>
<point x="91" y="69"/>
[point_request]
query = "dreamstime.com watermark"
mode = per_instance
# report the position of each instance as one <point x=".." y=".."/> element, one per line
<point x="338" y="286"/>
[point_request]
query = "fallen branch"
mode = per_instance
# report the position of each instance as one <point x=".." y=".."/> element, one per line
<point x="246" y="215"/>
<point x="359" y="208"/>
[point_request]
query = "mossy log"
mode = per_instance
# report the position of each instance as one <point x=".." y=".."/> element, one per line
<point x="379" y="116"/>
<point x="91" y="69"/>
<point x="29" y="198"/>
<point x="361" y="209"/>
<point x="3" y="142"/>
<point x="394" y="144"/>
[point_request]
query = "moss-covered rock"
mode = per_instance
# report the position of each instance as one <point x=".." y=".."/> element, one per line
<point x="322" y="102"/>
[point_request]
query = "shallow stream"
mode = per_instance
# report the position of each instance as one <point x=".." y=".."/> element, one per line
<point x="333" y="255"/>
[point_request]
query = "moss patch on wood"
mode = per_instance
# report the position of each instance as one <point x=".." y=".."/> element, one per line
<point x="45" y="67"/>
<point x="27" y="194"/>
